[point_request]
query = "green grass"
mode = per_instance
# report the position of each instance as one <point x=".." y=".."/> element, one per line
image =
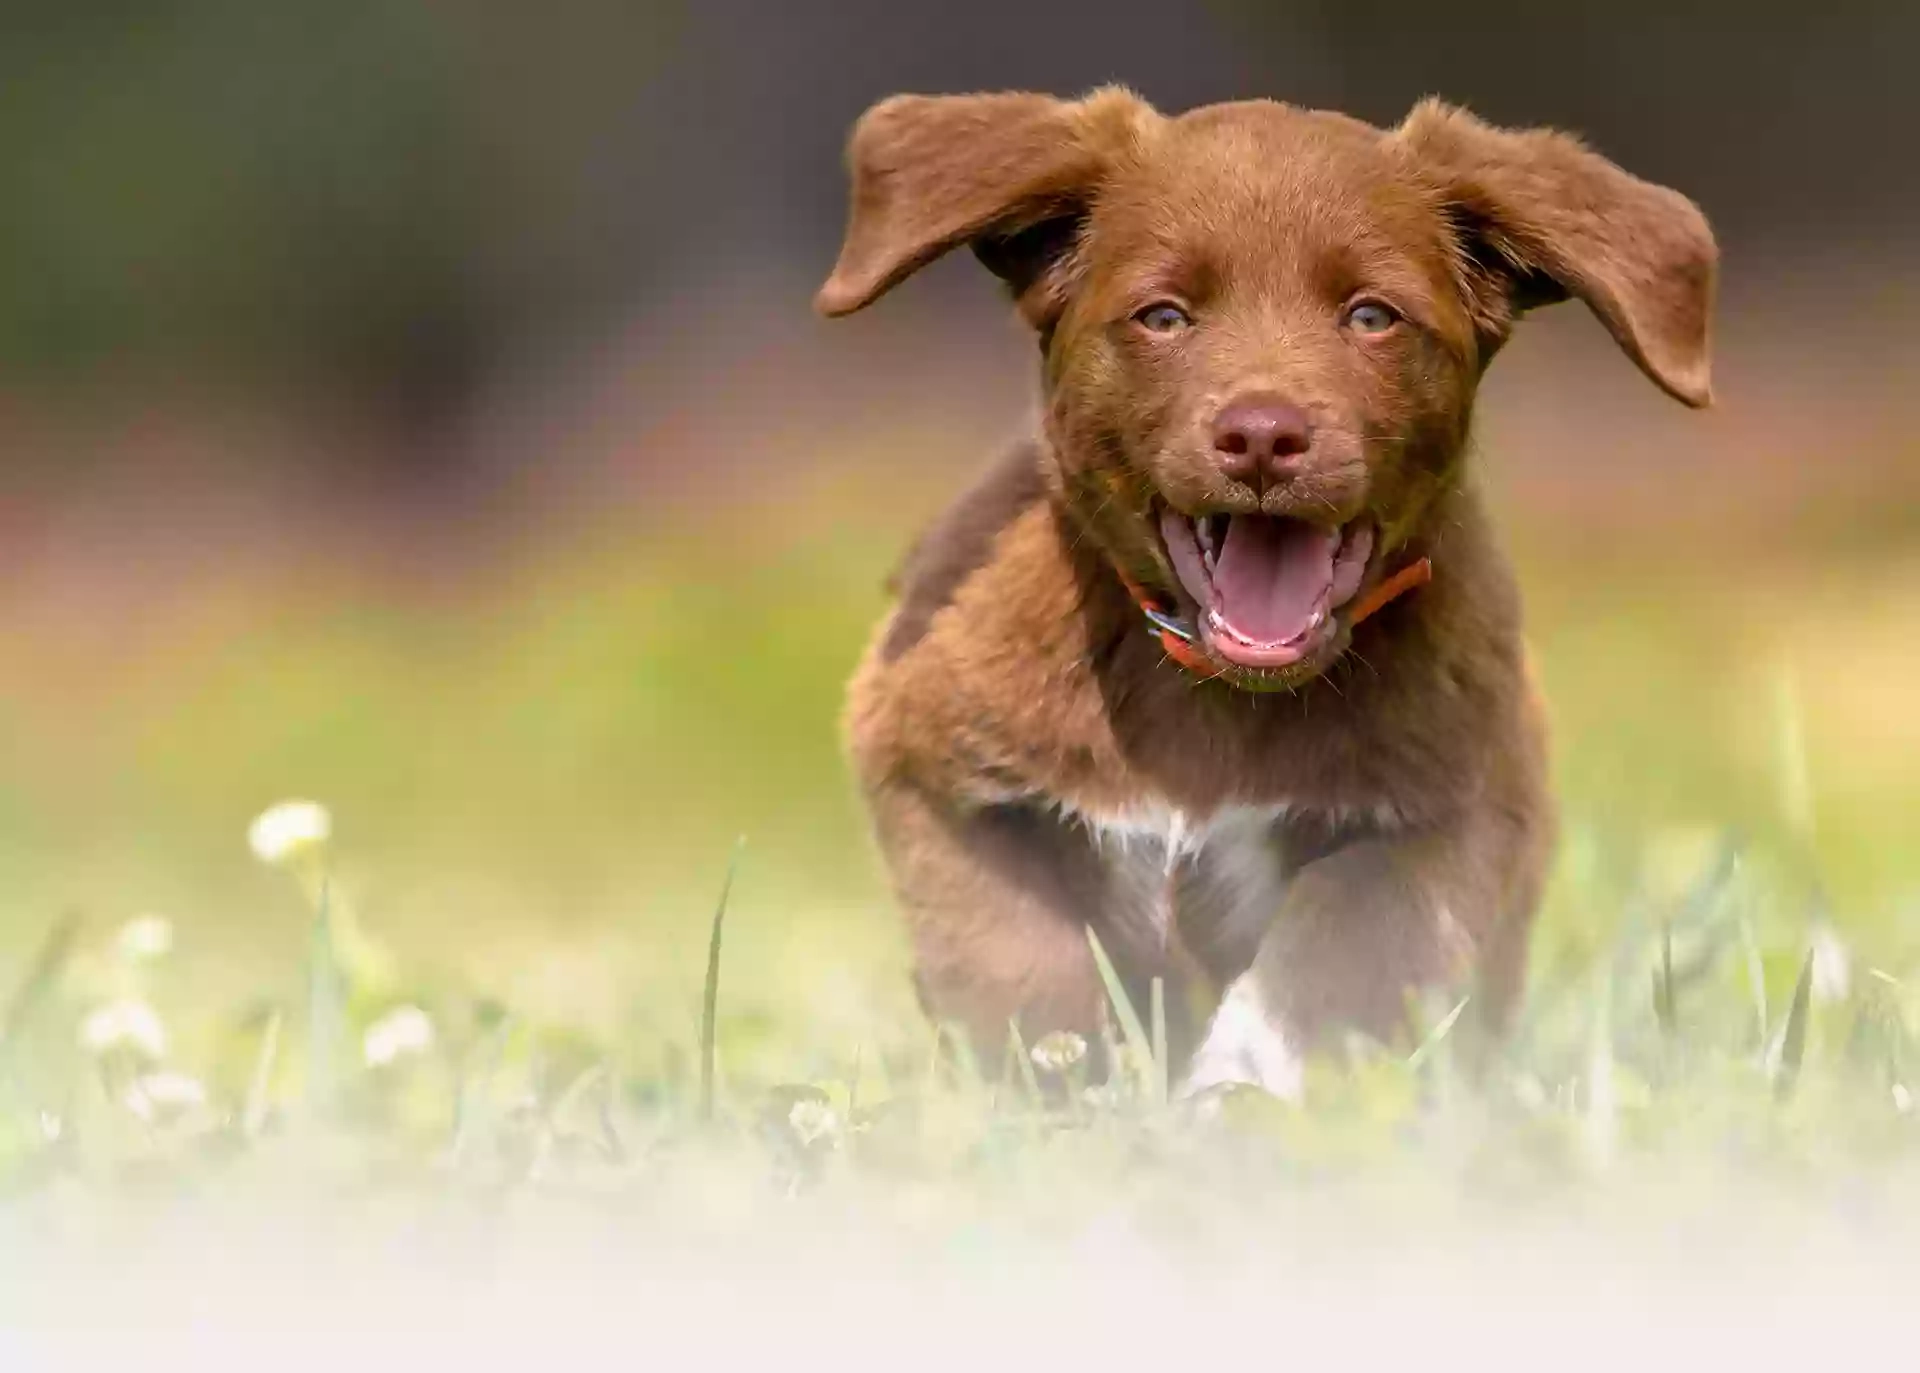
<point x="1715" y="1029"/>
<point x="536" y="794"/>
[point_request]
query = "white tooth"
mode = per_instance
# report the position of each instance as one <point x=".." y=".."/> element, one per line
<point x="1318" y="616"/>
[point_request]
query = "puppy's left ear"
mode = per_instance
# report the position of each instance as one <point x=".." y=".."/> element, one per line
<point x="1544" y="219"/>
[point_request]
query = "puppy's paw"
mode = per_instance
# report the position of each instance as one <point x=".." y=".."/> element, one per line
<point x="1244" y="1045"/>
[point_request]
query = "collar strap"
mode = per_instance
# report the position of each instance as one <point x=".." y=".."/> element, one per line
<point x="1179" y="639"/>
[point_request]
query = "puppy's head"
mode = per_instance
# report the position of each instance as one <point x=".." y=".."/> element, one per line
<point x="1263" y="326"/>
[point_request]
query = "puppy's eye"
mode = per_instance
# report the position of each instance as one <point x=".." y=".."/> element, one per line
<point x="1163" y="317"/>
<point x="1371" y="317"/>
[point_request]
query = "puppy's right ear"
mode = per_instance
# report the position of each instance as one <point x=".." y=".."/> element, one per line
<point x="1012" y="174"/>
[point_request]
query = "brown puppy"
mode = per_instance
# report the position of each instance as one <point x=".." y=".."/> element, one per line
<point x="1262" y="329"/>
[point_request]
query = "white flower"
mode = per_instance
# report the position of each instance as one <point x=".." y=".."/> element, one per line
<point x="401" y="1031"/>
<point x="1531" y="1092"/>
<point x="1832" y="967"/>
<point x="1902" y="1099"/>
<point x="1057" y="1052"/>
<point x="124" y="1024"/>
<point x="144" y="938"/>
<point x="51" y="1127"/>
<point x="164" y="1093"/>
<point x="287" y="832"/>
<point x="813" y="1120"/>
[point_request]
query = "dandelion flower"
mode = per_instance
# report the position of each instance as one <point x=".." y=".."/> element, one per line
<point x="164" y="1093"/>
<point x="1057" y="1052"/>
<point x="403" y="1031"/>
<point x="289" y="831"/>
<point x="144" y="938"/>
<point x="813" y="1121"/>
<point x="127" y="1024"/>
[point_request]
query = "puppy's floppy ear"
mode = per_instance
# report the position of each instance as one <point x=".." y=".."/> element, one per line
<point x="1545" y="219"/>
<point x="1011" y="173"/>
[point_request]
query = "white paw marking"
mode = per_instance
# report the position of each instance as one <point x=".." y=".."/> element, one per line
<point x="1244" y="1045"/>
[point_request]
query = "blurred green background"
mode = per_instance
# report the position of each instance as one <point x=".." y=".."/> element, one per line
<point x="417" y="408"/>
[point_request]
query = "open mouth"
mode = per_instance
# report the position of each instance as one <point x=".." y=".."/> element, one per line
<point x="1267" y="587"/>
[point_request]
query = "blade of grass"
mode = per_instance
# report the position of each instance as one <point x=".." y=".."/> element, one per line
<point x="710" y="1001"/>
<point x="1603" y="1104"/>
<point x="1134" y="1034"/>
<point x="966" y="1062"/>
<point x="253" y="1116"/>
<point x="475" y="1076"/>
<point x="1436" y="1036"/>
<point x="1004" y="1078"/>
<point x="1162" y="1088"/>
<point x="1645" y="919"/>
<point x="325" y="1009"/>
<point x="1112" y="1054"/>
<point x="1695" y="910"/>
<point x="1756" y="984"/>
<point x="1664" y="1008"/>
<point x="1790" y="756"/>
<point x="608" y="1097"/>
<point x="575" y="1091"/>
<point x="568" y="1101"/>
<point x="1703" y="897"/>
<point x="1890" y="996"/>
<point x="1024" y="1058"/>
<point x="875" y="1069"/>
<point x="1793" y="1035"/>
<point x="55" y="951"/>
<point x="1872" y="1037"/>
<point x="931" y="1080"/>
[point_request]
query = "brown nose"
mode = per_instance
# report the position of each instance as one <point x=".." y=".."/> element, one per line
<point x="1258" y="436"/>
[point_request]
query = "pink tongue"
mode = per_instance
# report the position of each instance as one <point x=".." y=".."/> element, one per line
<point x="1272" y="574"/>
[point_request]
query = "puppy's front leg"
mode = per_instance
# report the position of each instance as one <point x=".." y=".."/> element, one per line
<point x="1000" y="898"/>
<point x="1356" y="931"/>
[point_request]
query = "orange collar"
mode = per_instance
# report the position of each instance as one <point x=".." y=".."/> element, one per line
<point x="1179" y="640"/>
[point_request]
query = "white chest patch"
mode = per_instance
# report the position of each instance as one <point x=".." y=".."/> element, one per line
<point x="1233" y="850"/>
<point x="1173" y="836"/>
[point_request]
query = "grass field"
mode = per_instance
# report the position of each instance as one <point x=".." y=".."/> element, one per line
<point x="491" y="1005"/>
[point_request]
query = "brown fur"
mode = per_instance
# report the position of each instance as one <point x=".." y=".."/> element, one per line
<point x="1382" y="823"/>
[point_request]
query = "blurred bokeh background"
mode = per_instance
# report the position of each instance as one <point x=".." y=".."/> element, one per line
<point x="417" y="407"/>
